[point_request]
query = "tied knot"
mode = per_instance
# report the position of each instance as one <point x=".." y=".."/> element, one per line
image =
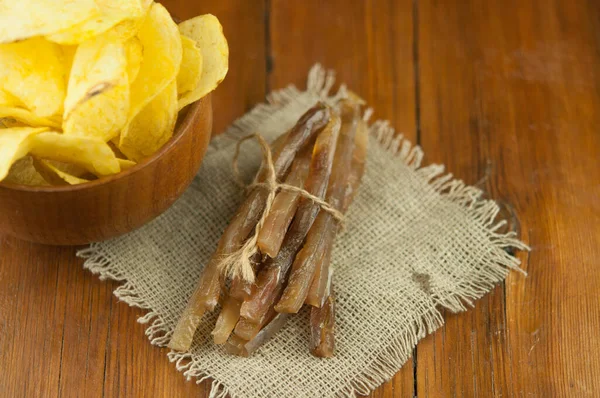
<point x="239" y="264"/>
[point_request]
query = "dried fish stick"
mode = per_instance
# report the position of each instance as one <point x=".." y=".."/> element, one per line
<point x="316" y="184"/>
<point x="357" y="167"/>
<point x="283" y="209"/>
<point x="186" y="327"/>
<point x="322" y="329"/>
<point x="322" y="320"/>
<point x="241" y="347"/>
<point x="303" y="268"/>
<point x="248" y="330"/>
<point x="265" y="333"/>
<point x="228" y="318"/>
<point x="316" y="295"/>
<point x="268" y="283"/>
<point x="235" y="345"/>
<point x="241" y="289"/>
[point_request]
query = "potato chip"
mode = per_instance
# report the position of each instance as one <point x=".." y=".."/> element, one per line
<point x="56" y="175"/>
<point x="8" y="100"/>
<point x="15" y="143"/>
<point x="161" y="42"/>
<point x="33" y="72"/>
<point x="126" y="164"/>
<point x="22" y="19"/>
<point x="68" y="56"/>
<point x="27" y="117"/>
<point x="111" y="13"/>
<point x="207" y="32"/>
<point x="189" y="74"/>
<point x="127" y="29"/>
<point x="87" y="30"/>
<point x="22" y="172"/>
<point x="91" y="153"/>
<point x="9" y="122"/>
<point x="152" y="127"/>
<point x="69" y="168"/>
<point x="97" y="102"/>
<point x="135" y="53"/>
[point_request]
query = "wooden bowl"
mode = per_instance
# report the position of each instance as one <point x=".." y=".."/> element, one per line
<point x="113" y="205"/>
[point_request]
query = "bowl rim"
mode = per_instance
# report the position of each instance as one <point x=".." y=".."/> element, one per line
<point x="191" y="114"/>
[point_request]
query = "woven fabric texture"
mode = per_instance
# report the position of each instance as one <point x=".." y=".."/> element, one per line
<point x="416" y="240"/>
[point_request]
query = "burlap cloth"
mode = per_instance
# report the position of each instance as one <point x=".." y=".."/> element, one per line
<point x="417" y="240"/>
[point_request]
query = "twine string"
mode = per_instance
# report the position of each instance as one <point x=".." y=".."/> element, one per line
<point x="238" y="264"/>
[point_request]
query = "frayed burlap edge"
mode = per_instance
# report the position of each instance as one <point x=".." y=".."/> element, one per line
<point x="389" y="362"/>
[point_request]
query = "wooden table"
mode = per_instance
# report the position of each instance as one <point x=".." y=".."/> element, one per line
<point x="506" y="93"/>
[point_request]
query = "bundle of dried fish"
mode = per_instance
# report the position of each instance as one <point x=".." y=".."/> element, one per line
<point x="207" y="293"/>
<point x="292" y="232"/>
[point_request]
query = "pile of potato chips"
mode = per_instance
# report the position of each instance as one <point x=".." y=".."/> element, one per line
<point x="91" y="87"/>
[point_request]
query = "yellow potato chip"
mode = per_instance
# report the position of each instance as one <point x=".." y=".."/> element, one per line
<point x="127" y="29"/>
<point x="10" y="122"/>
<point x="134" y="52"/>
<point x="189" y="74"/>
<point x="23" y="172"/>
<point x="207" y="32"/>
<point x="97" y="102"/>
<point x="68" y="56"/>
<point x="28" y="118"/>
<point x="126" y="164"/>
<point x="69" y="168"/>
<point x="91" y="153"/>
<point x="33" y="72"/>
<point x="161" y="42"/>
<point x="15" y="143"/>
<point x="55" y="175"/>
<point x="111" y="13"/>
<point x="8" y="100"/>
<point x="84" y="31"/>
<point x="152" y="127"/>
<point x="21" y="19"/>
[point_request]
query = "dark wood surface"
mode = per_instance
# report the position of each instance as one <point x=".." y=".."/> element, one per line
<point x="505" y="93"/>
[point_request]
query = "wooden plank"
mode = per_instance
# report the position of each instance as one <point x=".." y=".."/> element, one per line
<point x="31" y="318"/>
<point x="135" y="368"/>
<point x="60" y="324"/>
<point x="369" y="44"/>
<point x="509" y="95"/>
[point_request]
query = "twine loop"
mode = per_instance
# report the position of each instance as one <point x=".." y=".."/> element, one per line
<point x="238" y="263"/>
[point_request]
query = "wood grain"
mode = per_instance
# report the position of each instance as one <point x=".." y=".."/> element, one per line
<point x="509" y="99"/>
<point x="506" y="94"/>
<point x="369" y="44"/>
